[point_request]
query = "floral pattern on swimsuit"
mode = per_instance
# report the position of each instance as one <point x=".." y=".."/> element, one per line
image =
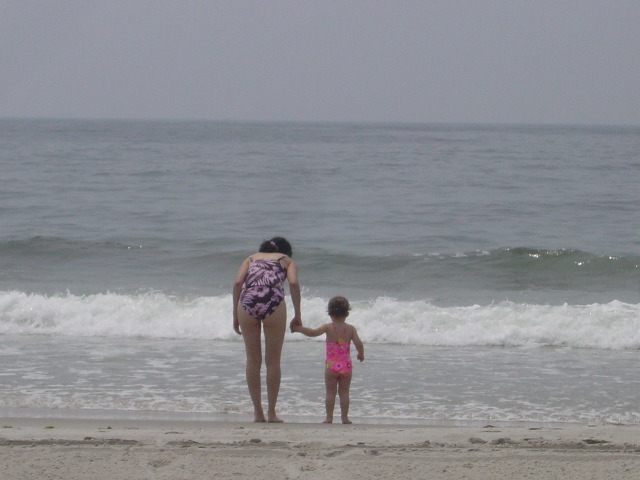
<point x="263" y="288"/>
<point x="339" y="357"/>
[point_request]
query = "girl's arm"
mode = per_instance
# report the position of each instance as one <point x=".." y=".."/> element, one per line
<point x="358" y="344"/>
<point x="310" y="332"/>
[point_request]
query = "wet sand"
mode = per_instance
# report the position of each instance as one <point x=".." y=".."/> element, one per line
<point x="123" y="449"/>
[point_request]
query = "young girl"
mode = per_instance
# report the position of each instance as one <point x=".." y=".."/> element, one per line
<point x="337" y="374"/>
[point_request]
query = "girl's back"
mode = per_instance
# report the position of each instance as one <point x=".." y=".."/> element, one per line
<point x="337" y="331"/>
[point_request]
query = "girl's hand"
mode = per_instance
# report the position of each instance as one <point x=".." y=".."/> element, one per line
<point x="236" y="326"/>
<point x="361" y="357"/>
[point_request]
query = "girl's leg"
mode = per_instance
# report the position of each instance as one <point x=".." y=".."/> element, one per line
<point x="250" y="328"/>
<point x="331" y="384"/>
<point x="343" y="388"/>
<point x="274" y="326"/>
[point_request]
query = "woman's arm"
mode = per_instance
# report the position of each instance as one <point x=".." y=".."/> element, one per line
<point x="294" y="289"/>
<point x="237" y="289"/>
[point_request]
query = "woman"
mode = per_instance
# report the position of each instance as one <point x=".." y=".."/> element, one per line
<point x="258" y="305"/>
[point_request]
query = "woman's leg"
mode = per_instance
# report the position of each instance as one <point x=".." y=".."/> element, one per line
<point x="274" y="327"/>
<point x="251" y="334"/>
<point x="343" y="390"/>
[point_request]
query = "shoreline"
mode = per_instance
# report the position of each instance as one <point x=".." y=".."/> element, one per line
<point x="176" y="416"/>
<point x="124" y="448"/>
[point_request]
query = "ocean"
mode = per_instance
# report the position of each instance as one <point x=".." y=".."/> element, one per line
<point x="493" y="270"/>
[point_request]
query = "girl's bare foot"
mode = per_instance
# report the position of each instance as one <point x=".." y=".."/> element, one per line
<point x="328" y="420"/>
<point x="346" y="421"/>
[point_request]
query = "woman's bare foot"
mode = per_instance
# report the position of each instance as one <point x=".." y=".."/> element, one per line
<point x="258" y="417"/>
<point x="328" y="420"/>
<point x="346" y="421"/>
<point x="272" y="417"/>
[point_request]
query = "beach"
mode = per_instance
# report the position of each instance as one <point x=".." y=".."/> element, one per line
<point x="120" y="448"/>
<point x="492" y="272"/>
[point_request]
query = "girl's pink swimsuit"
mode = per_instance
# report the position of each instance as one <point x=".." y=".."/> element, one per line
<point x="339" y="356"/>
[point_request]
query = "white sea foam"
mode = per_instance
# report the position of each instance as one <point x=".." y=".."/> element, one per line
<point x="613" y="325"/>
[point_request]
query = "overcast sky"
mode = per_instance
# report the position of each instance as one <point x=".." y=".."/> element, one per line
<point x="487" y="61"/>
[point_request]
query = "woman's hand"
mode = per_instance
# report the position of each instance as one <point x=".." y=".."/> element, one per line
<point x="295" y="324"/>
<point x="236" y="326"/>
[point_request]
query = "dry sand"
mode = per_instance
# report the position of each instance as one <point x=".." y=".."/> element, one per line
<point x="120" y="449"/>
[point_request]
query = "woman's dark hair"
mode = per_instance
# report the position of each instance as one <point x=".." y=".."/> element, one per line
<point x="276" y="245"/>
<point x="338" y="307"/>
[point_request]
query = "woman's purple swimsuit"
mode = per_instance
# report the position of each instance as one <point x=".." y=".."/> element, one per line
<point x="263" y="288"/>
